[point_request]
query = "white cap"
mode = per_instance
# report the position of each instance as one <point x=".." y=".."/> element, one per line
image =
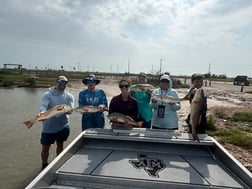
<point x="62" y="78"/>
<point x="166" y="77"/>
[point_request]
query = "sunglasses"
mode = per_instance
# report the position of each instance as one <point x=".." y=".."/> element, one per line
<point x="124" y="86"/>
<point x="62" y="83"/>
<point x="90" y="82"/>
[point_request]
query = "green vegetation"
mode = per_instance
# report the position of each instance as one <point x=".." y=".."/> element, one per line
<point x="237" y="129"/>
<point x="242" y="116"/>
<point x="234" y="136"/>
<point x="211" y="123"/>
<point x="45" y="78"/>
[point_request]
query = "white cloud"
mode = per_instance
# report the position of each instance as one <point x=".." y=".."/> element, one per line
<point x="196" y="32"/>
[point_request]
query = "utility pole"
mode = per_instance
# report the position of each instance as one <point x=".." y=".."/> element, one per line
<point x="209" y="72"/>
<point x="128" y="66"/>
<point x="160" y="65"/>
<point x="78" y="66"/>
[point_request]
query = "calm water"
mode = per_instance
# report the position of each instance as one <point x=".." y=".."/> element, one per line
<point x="19" y="147"/>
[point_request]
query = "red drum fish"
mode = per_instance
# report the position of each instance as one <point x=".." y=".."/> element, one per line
<point x="121" y="118"/>
<point x="196" y="110"/>
<point x="142" y="87"/>
<point x="169" y="99"/>
<point x="53" y="112"/>
<point x="90" y="109"/>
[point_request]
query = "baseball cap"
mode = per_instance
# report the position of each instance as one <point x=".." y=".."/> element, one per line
<point x="197" y="76"/>
<point x="62" y="78"/>
<point x="142" y="74"/>
<point x="165" y="77"/>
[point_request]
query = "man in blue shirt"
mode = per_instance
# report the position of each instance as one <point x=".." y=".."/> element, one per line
<point x="55" y="128"/>
<point x="94" y="97"/>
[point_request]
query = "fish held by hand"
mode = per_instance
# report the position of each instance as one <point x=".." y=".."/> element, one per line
<point x="195" y="113"/>
<point x="169" y="99"/>
<point x="91" y="109"/>
<point x="123" y="119"/>
<point x="53" y="112"/>
<point x="142" y="87"/>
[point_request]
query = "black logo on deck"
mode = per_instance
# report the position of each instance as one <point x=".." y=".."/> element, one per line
<point x="151" y="165"/>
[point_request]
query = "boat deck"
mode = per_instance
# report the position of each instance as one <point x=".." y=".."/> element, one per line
<point x="140" y="158"/>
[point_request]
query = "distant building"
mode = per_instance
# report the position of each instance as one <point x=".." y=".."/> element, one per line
<point x="17" y="66"/>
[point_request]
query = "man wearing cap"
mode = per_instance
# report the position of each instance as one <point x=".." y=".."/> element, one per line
<point x="55" y="128"/>
<point x="165" y="114"/>
<point x="94" y="97"/>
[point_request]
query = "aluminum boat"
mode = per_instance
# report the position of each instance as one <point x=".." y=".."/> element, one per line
<point x="142" y="159"/>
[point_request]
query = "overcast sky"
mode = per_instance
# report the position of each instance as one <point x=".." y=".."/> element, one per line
<point x="190" y="36"/>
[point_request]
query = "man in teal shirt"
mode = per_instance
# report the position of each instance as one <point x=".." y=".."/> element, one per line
<point x="143" y="101"/>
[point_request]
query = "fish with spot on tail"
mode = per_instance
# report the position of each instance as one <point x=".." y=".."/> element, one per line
<point x="53" y="112"/>
<point x="121" y="118"/>
<point x="142" y="87"/>
<point x="90" y="109"/>
<point x="170" y="99"/>
<point x="196" y="109"/>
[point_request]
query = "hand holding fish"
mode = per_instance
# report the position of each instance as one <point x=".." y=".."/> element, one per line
<point x="153" y="100"/>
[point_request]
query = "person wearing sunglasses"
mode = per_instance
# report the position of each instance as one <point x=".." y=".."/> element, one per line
<point x="94" y="97"/>
<point x="56" y="128"/>
<point x="143" y="100"/>
<point x="124" y="103"/>
<point x="165" y="114"/>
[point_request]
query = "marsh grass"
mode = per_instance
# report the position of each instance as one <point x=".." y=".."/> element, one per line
<point x="234" y="136"/>
<point x="242" y="116"/>
<point x="237" y="129"/>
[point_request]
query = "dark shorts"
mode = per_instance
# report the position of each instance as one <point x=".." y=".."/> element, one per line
<point x="50" y="138"/>
<point x="146" y="124"/>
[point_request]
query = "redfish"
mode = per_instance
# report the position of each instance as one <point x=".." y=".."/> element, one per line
<point x="196" y="110"/>
<point x="121" y="118"/>
<point x="53" y="112"/>
<point x="90" y="109"/>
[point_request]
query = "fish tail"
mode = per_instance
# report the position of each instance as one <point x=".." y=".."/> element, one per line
<point x="187" y="96"/>
<point x="29" y="123"/>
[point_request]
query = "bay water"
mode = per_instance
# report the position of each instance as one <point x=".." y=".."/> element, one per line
<point x="20" y="147"/>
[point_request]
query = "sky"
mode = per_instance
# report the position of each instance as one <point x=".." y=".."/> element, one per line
<point x="177" y="36"/>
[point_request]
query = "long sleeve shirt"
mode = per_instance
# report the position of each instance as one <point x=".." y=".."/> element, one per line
<point x="128" y="107"/>
<point x="50" y="99"/>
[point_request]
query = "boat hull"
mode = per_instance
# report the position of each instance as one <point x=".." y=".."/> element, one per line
<point x="142" y="158"/>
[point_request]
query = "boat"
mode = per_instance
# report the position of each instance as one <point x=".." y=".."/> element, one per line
<point x="141" y="158"/>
